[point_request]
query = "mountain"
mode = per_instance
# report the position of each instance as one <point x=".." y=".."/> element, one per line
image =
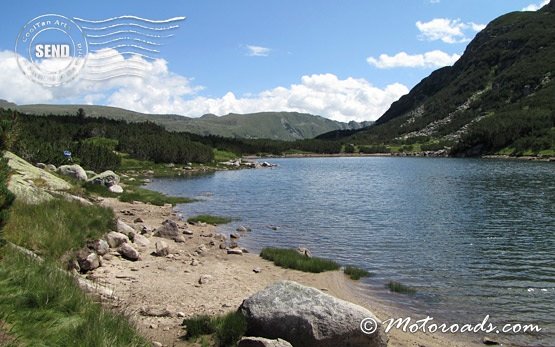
<point x="272" y="125"/>
<point x="498" y="97"/>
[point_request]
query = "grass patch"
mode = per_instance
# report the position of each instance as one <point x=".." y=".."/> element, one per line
<point x="291" y="259"/>
<point x="397" y="287"/>
<point x="222" y="155"/>
<point x="44" y="307"/>
<point x="209" y="219"/>
<point x="355" y="273"/>
<point x="226" y="329"/>
<point x="56" y="227"/>
<point x="131" y="194"/>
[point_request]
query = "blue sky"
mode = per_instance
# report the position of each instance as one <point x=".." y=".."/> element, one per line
<point x="346" y="60"/>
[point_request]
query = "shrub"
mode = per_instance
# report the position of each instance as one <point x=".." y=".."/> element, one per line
<point x="291" y="259"/>
<point x="355" y="273"/>
<point x="209" y="219"/>
<point x="397" y="287"/>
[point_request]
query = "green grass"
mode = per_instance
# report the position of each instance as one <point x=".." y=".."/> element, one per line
<point x="56" y="227"/>
<point x="209" y="219"/>
<point x="226" y="329"/>
<point x="221" y="155"/>
<point x="134" y="193"/>
<point x="397" y="287"/>
<point x="44" y="307"/>
<point x="355" y="273"/>
<point x="291" y="259"/>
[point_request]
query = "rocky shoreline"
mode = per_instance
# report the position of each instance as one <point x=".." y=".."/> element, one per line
<point x="158" y="269"/>
<point x="183" y="270"/>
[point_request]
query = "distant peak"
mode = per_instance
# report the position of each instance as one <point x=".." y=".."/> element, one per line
<point x="209" y="116"/>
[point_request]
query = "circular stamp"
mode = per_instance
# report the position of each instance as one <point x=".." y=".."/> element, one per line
<point x="51" y="49"/>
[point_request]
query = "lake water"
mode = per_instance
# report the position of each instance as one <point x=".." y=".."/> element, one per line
<point x="474" y="237"/>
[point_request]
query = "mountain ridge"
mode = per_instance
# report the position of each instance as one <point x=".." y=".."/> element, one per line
<point x="288" y="126"/>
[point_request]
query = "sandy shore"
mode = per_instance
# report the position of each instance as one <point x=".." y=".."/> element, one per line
<point x="169" y="285"/>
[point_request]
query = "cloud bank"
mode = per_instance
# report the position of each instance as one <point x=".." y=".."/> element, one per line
<point x="162" y="91"/>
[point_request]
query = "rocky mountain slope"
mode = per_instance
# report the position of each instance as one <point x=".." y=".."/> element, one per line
<point x="500" y="95"/>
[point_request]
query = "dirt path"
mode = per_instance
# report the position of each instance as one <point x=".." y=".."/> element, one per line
<point x="153" y="287"/>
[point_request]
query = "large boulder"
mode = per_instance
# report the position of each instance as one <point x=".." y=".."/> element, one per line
<point x="140" y="240"/>
<point x="168" y="230"/>
<point x="262" y="342"/>
<point x="107" y="178"/>
<point x="87" y="260"/>
<point x="124" y="228"/>
<point x="162" y="249"/>
<point x="307" y="317"/>
<point x="129" y="252"/>
<point x="75" y="171"/>
<point x="116" y="239"/>
<point x="101" y="247"/>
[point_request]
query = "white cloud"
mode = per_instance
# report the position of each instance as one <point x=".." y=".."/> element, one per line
<point x="322" y="94"/>
<point x="447" y="30"/>
<point x="435" y="1"/>
<point x="161" y="91"/>
<point x="432" y="59"/>
<point x="535" y="7"/>
<point x="257" y="51"/>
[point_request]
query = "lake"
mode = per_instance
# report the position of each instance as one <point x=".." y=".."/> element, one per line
<point x="474" y="237"/>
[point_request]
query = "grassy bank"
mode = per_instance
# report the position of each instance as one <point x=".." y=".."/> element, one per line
<point x="355" y="273"/>
<point x="41" y="304"/>
<point x="54" y="228"/>
<point x="44" y="307"/>
<point x="291" y="259"/>
<point x="134" y="193"/>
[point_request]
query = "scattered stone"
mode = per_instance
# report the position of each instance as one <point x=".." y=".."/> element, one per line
<point x="243" y="229"/>
<point x="146" y="229"/>
<point x="489" y="341"/>
<point x="107" y="178"/>
<point x="257" y="270"/>
<point x="140" y="240"/>
<point x="195" y="262"/>
<point x="116" y="188"/>
<point x="168" y="230"/>
<point x="304" y="251"/>
<point x="41" y="165"/>
<point x="128" y="252"/>
<point x="187" y="232"/>
<point x="235" y="251"/>
<point x="50" y="167"/>
<point x="138" y="220"/>
<point x="262" y="342"/>
<point x="116" y="239"/>
<point x="201" y="249"/>
<point x="204" y="279"/>
<point x="179" y="239"/>
<point x="124" y="228"/>
<point x="307" y="317"/>
<point x="75" y="171"/>
<point x="180" y="314"/>
<point x="101" y="247"/>
<point x="157" y="344"/>
<point x="223" y="246"/>
<point x="245" y="250"/>
<point x="162" y="249"/>
<point x="234" y="236"/>
<point x="233" y="244"/>
<point x="87" y="260"/>
<point x="153" y="326"/>
<point x="155" y="312"/>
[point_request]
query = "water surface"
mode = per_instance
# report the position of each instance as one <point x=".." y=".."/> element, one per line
<point x="475" y="237"/>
